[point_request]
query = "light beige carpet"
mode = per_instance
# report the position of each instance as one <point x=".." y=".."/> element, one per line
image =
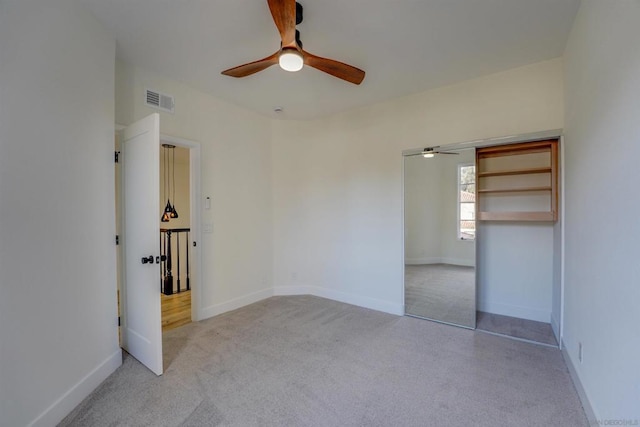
<point x="515" y="327"/>
<point x="441" y="292"/>
<point x="308" y="361"/>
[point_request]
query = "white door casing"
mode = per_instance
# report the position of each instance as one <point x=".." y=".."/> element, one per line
<point x="142" y="321"/>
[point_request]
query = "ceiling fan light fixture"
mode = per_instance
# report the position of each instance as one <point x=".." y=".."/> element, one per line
<point x="428" y="153"/>
<point x="290" y="60"/>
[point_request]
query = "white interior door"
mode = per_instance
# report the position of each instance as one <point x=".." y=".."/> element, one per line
<point x="142" y="326"/>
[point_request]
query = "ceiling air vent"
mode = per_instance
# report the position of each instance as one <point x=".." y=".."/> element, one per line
<point x="159" y="100"/>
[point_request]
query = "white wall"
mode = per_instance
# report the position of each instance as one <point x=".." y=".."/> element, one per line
<point x="236" y="174"/>
<point x="515" y="269"/>
<point x="337" y="182"/>
<point x="602" y="151"/>
<point x="423" y="190"/>
<point x="431" y="212"/>
<point x="58" y="313"/>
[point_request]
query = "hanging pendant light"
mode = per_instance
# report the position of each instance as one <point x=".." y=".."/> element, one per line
<point x="174" y="212"/>
<point x="168" y="208"/>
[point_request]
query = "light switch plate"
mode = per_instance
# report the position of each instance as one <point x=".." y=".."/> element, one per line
<point x="207" y="227"/>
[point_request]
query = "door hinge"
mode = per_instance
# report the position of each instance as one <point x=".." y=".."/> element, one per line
<point x="118" y="320"/>
<point x="117" y="157"/>
<point x="117" y="239"/>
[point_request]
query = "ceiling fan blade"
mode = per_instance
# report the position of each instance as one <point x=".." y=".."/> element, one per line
<point x="430" y="152"/>
<point x="252" y="67"/>
<point x="335" y="68"/>
<point x="284" y="16"/>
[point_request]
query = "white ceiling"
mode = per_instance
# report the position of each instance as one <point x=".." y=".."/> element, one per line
<point x="405" y="46"/>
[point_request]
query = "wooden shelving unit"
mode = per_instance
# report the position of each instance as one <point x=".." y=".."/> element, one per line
<point x="517" y="182"/>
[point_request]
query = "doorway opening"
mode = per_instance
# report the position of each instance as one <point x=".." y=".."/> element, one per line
<point x="175" y="236"/>
<point x="179" y="307"/>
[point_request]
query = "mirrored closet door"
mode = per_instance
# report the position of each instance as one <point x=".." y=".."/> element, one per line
<point x="439" y="236"/>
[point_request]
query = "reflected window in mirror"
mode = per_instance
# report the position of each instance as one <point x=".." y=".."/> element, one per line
<point x="466" y="201"/>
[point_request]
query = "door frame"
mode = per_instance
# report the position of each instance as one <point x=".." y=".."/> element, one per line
<point x="195" y="190"/>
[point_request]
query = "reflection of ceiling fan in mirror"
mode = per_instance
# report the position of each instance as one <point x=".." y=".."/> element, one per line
<point x="291" y="57"/>
<point x="430" y="152"/>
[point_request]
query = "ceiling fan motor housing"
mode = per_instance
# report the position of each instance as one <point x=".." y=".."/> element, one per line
<point x="298" y="38"/>
<point x="298" y="13"/>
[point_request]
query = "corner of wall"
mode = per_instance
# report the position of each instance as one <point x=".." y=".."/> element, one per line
<point x="347" y="298"/>
<point x="584" y="400"/>
<point x="72" y="397"/>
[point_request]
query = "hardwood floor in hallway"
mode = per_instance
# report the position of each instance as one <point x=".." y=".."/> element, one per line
<point x="176" y="310"/>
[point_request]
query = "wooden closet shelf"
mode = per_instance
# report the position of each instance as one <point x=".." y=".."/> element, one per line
<point x="514" y="190"/>
<point x="515" y="172"/>
<point x="515" y="149"/>
<point x="517" y="216"/>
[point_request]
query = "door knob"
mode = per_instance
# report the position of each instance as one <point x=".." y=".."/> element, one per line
<point x="147" y="260"/>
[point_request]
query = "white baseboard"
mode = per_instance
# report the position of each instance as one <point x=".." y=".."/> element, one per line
<point x="515" y="311"/>
<point x="459" y="261"/>
<point x="586" y="404"/>
<point x="293" y="290"/>
<point x="420" y="261"/>
<point x="360" y="301"/>
<point x="214" y="310"/>
<point x="433" y="260"/>
<point x="72" y="398"/>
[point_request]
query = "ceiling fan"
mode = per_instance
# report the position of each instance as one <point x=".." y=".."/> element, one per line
<point x="430" y="152"/>
<point x="291" y="57"/>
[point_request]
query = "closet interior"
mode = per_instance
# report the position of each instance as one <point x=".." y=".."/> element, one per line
<point x="511" y="260"/>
